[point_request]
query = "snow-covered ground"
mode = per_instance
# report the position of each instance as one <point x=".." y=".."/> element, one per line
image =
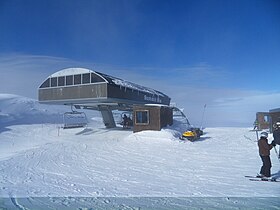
<point x="42" y="164"/>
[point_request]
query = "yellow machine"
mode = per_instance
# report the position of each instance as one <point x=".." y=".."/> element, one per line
<point x="192" y="134"/>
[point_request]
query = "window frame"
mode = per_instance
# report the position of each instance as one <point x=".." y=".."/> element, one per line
<point x="76" y="82"/>
<point x="94" y="78"/>
<point x="46" y="83"/>
<point x="54" y="81"/>
<point x="147" y="122"/>
<point x="67" y="80"/>
<point x="84" y="77"/>
<point x="59" y="80"/>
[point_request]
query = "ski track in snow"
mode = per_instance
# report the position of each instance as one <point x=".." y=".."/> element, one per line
<point x="117" y="163"/>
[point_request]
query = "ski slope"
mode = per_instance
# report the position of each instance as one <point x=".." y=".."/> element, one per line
<point x="42" y="164"/>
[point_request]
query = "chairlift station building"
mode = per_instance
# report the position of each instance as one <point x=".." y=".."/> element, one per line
<point x="88" y="89"/>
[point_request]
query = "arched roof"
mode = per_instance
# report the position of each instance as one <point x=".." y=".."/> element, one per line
<point x="105" y="77"/>
<point x="71" y="71"/>
<point x="74" y="71"/>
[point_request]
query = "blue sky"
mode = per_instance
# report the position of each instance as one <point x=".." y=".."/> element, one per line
<point x="223" y="53"/>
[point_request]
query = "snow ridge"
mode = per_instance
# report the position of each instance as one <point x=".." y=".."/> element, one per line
<point x="16" y="109"/>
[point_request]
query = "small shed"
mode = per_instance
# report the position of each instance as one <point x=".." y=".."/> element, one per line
<point x="151" y="117"/>
<point x="263" y="120"/>
<point x="267" y="120"/>
<point x="274" y="117"/>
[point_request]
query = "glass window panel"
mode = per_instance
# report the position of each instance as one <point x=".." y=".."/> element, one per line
<point x="77" y="79"/>
<point x="96" y="78"/>
<point x="46" y="83"/>
<point x="142" y="117"/>
<point x="69" y="80"/>
<point x="86" y="78"/>
<point x="54" y="82"/>
<point x="61" y="81"/>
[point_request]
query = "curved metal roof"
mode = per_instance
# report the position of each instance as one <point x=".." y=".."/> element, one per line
<point x="74" y="71"/>
<point x="107" y="78"/>
<point x="71" y="71"/>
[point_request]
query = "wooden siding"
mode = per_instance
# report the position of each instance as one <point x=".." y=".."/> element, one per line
<point x="262" y="123"/>
<point x="73" y="92"/>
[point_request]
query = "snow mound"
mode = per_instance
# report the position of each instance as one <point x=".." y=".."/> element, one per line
<point x="15" y="110"/>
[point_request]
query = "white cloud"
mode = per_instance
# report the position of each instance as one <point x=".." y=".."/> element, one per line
<point x="241" y="111"/>
<point x="22" y="74"/>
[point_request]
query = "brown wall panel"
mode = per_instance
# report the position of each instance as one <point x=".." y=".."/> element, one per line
<point x="73" y="92"/>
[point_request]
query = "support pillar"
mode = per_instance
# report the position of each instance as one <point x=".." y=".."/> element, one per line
<point x="107" y="116"/>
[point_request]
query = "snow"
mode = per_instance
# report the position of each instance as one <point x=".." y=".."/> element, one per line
<point x="42" y="164"/>
<point x="136" y="87"/>
<point x="71" y="71"/>
<point x="22" y="110"/>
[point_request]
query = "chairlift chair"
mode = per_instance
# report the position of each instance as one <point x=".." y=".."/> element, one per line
<point x="74" y="119"/>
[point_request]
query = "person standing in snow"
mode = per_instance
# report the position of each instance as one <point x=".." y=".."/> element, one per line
<point x="125" y="121"/>
<point x="264" y="152"/>
<point x="276" y="136"/>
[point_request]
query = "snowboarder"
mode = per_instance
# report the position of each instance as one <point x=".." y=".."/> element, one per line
<point x="276" y="136"/>
<point x="264" y="152"/>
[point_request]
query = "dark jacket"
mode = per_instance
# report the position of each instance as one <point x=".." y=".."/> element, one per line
<point x="264" y="147"/>
<point x="276" y="135"/>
